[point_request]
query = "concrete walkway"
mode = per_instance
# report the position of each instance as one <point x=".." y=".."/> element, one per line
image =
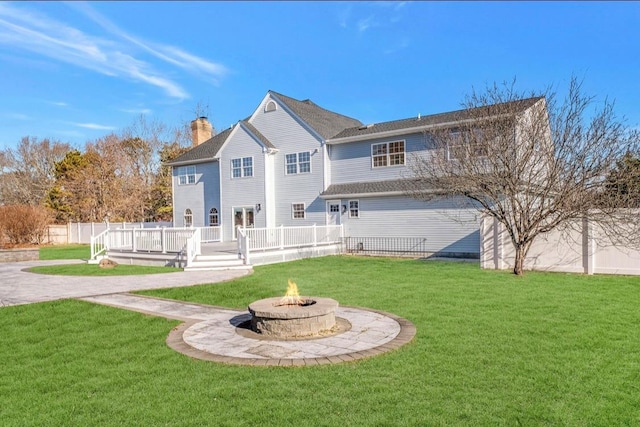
<point x="18" y="286"/>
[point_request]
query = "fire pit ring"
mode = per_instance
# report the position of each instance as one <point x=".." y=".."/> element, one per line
<point x="312" y="317"/>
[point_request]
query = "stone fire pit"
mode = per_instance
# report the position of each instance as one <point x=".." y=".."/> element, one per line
<point x="310" y="317"/>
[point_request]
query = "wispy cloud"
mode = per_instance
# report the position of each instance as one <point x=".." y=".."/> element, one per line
<point x="170" y="54"/>
<point x="58" y="103"/>
<point x="366" y="23"/>
<point x="25" y="29"/>
<point x="17" y="116"/>
<point x="93" y="126"/>
<point x="376" y="14"/>
<point x="137" y="110"/>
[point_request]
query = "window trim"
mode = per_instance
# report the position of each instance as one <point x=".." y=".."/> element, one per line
<point x="387" y="155"/>
<point x="356" y="209"/>
<point x="242" y="167"/>
<point x="186" y="175"/>
<point x="270" y="106"/>
<point x="188" y="213"/>
<point x="458" y="137"/>
<point x="297" y="163"/>
<point x="294" y="211"/>
<point x="214" y="212"/>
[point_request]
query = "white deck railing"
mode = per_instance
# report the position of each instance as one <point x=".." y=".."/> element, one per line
<point x="99" y="244"/>
<point x="163" y="240"/>
<point x="262" y="239"/>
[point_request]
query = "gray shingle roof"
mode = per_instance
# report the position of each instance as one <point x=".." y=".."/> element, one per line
<point x="430" y="120"/>
<point x="257" y="134"/>
<point x="399" y="186"/>
<point x="326" y="123"/>
<point x="208" y="150"/>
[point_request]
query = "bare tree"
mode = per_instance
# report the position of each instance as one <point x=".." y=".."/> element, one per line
<point x="532" y="163"/>
<point x="27" y="172"/>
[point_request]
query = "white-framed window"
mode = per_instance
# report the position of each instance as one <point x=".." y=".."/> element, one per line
<point x="463" y="143"/>
<point x="188" y="218"/>
<point x="186" y="175"/>
<point x="297" y="211"/>
<point x="242" y="167"/>
<point x="387" y="154"/>
<point x="214" y="218"/>
<point x="297" y="163"/>
<point x="354" y="209"/>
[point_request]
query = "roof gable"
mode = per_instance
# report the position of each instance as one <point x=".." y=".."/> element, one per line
<point x="324" y="122"/>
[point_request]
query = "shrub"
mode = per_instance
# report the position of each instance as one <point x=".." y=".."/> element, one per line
<point x="23" y="224"/>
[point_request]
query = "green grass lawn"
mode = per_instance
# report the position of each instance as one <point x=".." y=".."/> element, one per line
<point x="65" y="252"/>
<point x="85" y="269"/>
<point x="491" y="349"/>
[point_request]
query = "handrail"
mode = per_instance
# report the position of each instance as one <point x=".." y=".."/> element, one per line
<point x="192" y="246"/>
<point x="243" y="245"/>
<point x="99" y="244"/>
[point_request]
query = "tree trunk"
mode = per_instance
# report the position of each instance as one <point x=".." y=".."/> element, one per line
<point x="521" y="254"/>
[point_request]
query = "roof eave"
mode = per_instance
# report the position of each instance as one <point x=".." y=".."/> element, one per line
<point x="193" y="162"/>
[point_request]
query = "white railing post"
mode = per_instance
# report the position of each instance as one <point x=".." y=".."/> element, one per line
<point x="281" y="236"/>
<point x="315" y="235"/>
<point x="163" y="240"/>
<point x="133" y="239"/>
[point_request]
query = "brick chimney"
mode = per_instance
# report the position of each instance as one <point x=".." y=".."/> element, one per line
<point x="201" y="131"/>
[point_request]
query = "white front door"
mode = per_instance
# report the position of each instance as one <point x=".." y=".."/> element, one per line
<point x="242" y="217"/>
<point x="333" y="212"/>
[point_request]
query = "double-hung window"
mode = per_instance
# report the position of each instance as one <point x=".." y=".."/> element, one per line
<point x="354" y="209"/>
<point x="297" y="210"/>
<point x="186" y="175"/>
<point x="387" y="154"/>
<point x="298" y="163"/>
<point x="242" y="167"/>
<point x="466" y="144"/>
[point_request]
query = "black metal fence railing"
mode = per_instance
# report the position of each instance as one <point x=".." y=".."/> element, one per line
<point x="390" y="246"/>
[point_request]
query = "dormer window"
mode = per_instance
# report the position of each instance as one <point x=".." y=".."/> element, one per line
<point x="271" y="106"/>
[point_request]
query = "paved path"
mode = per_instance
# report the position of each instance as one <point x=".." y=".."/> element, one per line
<point x="18" y="286"/>
<point x="219" y="334"/>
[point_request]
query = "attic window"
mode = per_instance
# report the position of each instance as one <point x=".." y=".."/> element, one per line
<point x="271" y="106"/>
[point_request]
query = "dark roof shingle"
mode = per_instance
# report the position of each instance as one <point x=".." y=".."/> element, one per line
<point x="208" y="150"/>
<point x="326" y="123"/>
<point x="430" y="120"/>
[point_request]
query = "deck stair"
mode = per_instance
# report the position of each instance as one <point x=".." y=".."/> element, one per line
<point x="217" y="262"/>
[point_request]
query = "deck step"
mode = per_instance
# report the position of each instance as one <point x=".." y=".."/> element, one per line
<point x="217" y="262"/>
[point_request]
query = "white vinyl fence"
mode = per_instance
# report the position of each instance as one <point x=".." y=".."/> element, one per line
<point x="583" y="248"/>
<point x="81" y="232"/>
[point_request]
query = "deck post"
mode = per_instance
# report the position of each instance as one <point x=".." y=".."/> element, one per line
<point x="163" y="240"/>
<point x="133" y="239"/>
<point x="315" y="235"/>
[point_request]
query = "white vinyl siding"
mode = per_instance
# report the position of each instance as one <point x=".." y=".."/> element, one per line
<point x="186" y="175"/>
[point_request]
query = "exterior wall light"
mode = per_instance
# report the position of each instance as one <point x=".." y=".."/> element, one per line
<point x="258" y="207"/>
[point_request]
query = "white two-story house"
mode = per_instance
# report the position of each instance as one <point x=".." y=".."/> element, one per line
<point x="295" y="163"/>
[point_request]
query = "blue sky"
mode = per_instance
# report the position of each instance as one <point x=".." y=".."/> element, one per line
<point x="77" y="71"/>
